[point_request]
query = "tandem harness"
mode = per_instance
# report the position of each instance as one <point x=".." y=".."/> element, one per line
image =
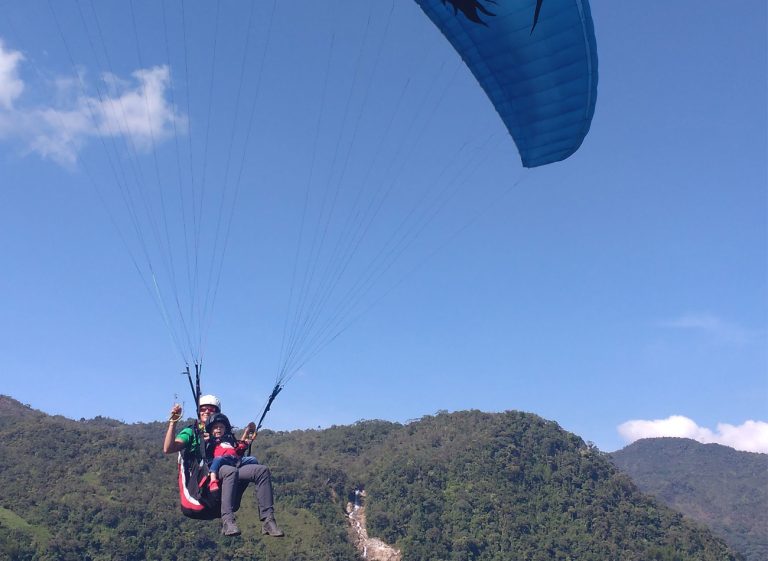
<point x="195" y="499"/>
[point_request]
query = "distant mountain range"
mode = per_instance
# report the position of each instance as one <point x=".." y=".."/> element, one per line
<point x="459" y="486"/>
<point x="722" y="488"/>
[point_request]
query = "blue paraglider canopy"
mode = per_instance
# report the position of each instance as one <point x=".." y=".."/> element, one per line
<point x="536" y="61"/>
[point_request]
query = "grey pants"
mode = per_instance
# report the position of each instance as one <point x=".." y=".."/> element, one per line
<point x="234" y="482"/>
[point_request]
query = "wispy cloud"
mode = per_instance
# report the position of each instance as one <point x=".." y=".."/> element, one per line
<point x="11" y="85"/>
<point x="750" y="436"/>
<point x="712" y="325"/>
<point x="135" y="110"/>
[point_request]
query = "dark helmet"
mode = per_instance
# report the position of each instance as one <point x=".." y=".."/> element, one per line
<point x="219" y="418"/>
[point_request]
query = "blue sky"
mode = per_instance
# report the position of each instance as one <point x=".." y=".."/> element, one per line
<point x="622" y="292"/>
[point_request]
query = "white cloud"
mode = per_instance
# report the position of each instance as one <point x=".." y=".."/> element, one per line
<point x="710" y="324"/>
<point x="750" y="436"/>
<point x="142" y="112"/>
<point x="135" y="110"/>
<point x="11" y="86"/>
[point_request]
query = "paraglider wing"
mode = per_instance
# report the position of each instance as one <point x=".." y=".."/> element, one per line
<point x="536" y="60"/>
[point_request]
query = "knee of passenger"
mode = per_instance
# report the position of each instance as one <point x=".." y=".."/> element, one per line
<point x="227" y="472"/>
<point x="261" y="472"/>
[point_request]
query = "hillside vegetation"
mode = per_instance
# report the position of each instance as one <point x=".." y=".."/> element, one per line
<point x="720" y="487"/>
<point x="462" y="486"/>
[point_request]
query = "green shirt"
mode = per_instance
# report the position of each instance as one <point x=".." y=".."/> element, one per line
<point x="190" y="438"/>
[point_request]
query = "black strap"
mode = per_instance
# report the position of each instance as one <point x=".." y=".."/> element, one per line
<point x="195" y="387"/>
<point x="192" y="387"/>
<point x="276" y="390"/>
<point x="198" y="367"/>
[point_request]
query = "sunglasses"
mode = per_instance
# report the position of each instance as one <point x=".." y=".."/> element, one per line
<point x="208" y="409"/>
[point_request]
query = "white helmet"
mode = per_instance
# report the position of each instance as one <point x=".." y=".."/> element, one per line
<point x="209" y="400"/>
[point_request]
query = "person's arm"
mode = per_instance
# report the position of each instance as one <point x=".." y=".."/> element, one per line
<point x="172" y="444"/>
<point x="249" y="434"/>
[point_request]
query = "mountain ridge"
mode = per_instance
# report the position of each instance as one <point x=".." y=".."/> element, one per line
<point x="720" y="487"/>
<point x="465" y="485"/>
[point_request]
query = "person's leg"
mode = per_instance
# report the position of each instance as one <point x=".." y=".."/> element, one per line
<point x="213" y="470"/>
<point x="228" y="480"/>
<point x="260" y="476"/>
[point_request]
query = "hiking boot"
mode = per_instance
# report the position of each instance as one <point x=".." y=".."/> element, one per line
<point x="229" y="528"/>
<point x="271" y="528"/>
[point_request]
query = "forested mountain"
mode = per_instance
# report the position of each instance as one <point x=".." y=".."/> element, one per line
<point x="461" y="486"/>
<point x="722" y="488"/>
